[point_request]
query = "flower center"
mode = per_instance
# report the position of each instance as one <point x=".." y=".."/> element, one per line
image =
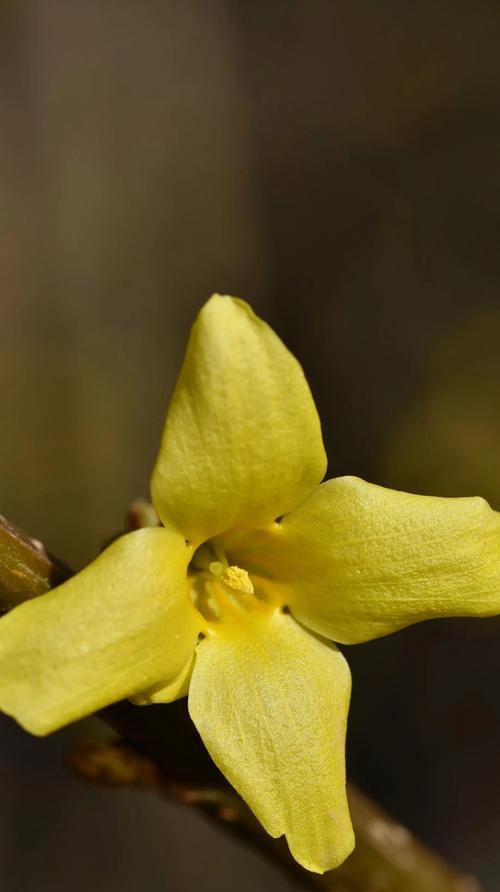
<point x="218" y="590"/>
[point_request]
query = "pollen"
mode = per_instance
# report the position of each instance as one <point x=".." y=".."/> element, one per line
<point x="238" y="580"/>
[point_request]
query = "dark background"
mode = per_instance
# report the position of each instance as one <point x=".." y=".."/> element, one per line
<point x="337" y="164"/>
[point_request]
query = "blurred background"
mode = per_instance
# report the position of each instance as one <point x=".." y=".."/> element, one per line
<point x="337" y="164"/>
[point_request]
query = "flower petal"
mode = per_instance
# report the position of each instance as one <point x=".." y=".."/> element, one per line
<point x="122" y="625"/>
<point x="357" y="561"/>
<point x="270" y="701"/>
<point x="178" y="687"/>
<point x="242" y="440"/>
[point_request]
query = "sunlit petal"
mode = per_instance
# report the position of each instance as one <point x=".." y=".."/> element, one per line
<point x="357" y="561"/>
<point x="242" y="440"/>
<point x="121" y="626"/>
<point x="270" y="701"/>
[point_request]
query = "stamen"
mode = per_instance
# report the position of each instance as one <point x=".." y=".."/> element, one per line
<point x="238" y="580"/>
<point x="220" y="590"/>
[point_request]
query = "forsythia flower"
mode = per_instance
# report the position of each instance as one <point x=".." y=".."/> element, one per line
<point x="258" y="568"/>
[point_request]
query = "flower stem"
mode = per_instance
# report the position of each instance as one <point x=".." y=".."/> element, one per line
<point x="160" y="748"/>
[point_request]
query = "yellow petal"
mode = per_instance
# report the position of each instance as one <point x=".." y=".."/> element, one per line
<point x="357" y="561"/>
<point x="270" y="701"/>
<point x="122" y="625"/>
<point x="242" y="441"/>
<point x="178" y="687"/>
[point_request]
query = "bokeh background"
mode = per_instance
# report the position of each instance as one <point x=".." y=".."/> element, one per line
<point x="337" y="164"/>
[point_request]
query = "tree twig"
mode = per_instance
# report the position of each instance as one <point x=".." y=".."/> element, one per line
<point x="159" y="749"/>
<point x="26" y="568"/>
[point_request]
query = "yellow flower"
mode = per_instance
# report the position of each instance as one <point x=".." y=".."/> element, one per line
<point x="237" y="598"/>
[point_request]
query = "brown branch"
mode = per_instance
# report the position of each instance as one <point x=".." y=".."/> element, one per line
<point x="26" y="568"/>
<point x="160" y="749"/>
